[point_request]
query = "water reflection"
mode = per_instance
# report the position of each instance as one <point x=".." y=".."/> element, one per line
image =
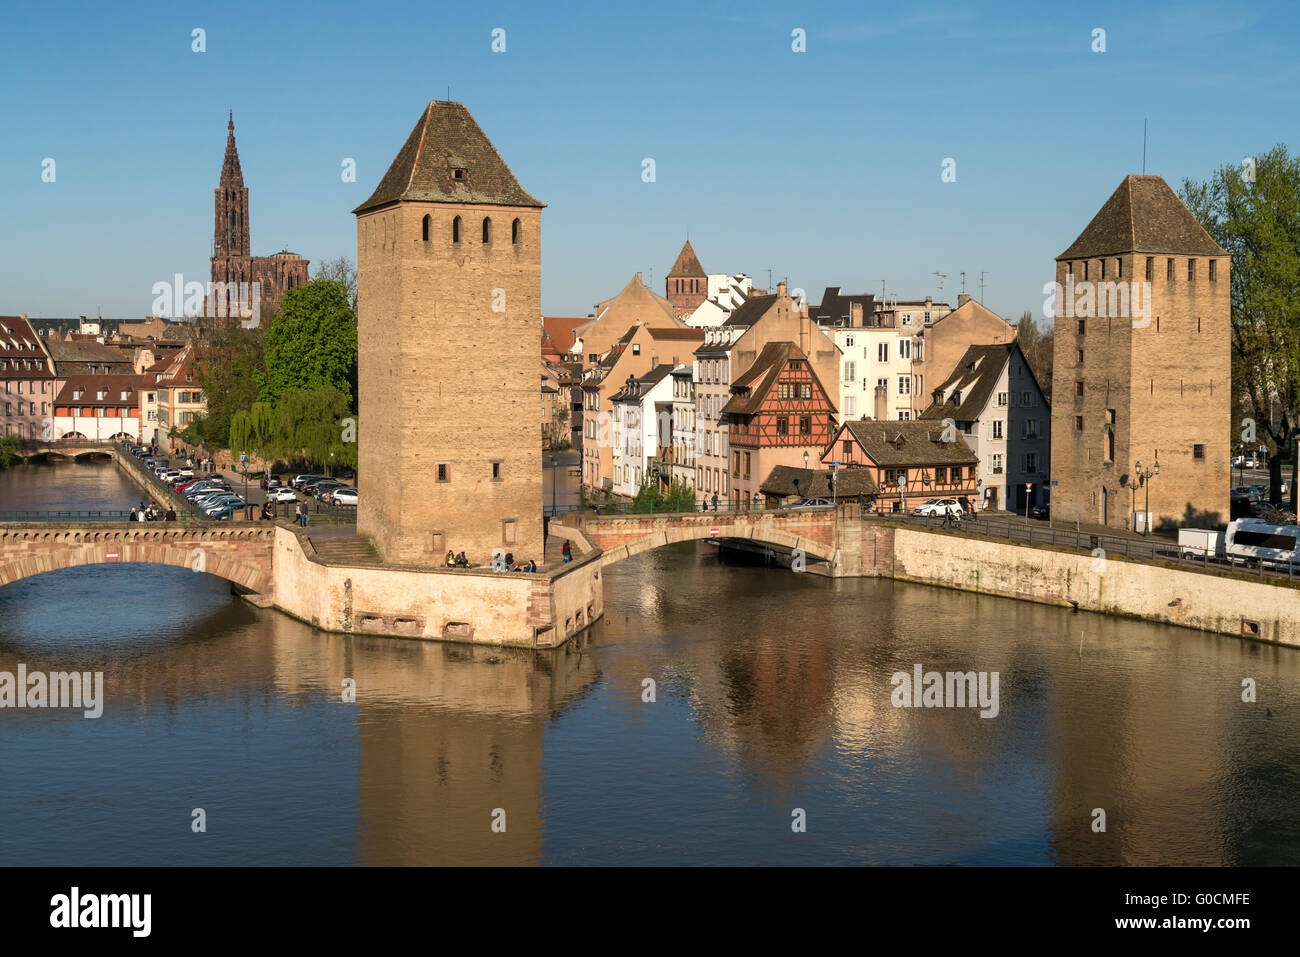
<point x="772" y="694"/>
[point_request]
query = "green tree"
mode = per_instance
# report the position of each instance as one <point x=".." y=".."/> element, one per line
<point x="310" y="425"/>
<point x="232" y="372"/>
<point x="8" y="450"/>
<point x="312" y="342"/>
<point x="1254" y="213"/>
<point x="341" y="270"/>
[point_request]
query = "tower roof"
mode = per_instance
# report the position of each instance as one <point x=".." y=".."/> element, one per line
<point x="687" y="265"/>
<point x="448" y="159"/>
<point x="231" y="174"/>
<point x="1143" y="215"/>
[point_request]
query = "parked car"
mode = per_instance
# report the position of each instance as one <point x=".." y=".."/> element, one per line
<point x="811" y="503"/>
<point x="324" y="490"/>
<point x="1041" y="511"/>
<point x="344" y="496"/>
<point x="938" y="506"/>
<point x="1251" y="492"/>
<point x="187" y="473"/>
<point x="299" y="481"/>
<point x="281" y="494"/>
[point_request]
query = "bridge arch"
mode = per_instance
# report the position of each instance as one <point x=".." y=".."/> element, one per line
<point x="624" y="536"/>
<point x="242" y="556"/>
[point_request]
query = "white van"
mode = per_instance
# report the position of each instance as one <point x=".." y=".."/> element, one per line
<point x="1250" y="539"/>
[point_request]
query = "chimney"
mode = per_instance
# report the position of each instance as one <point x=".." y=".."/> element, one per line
<point x="962" y="299"/>
<point x="638" y="278"/>
<point x="780" y="290"/>
<point x="855" y="314"/>
<point x="928" y="303"/>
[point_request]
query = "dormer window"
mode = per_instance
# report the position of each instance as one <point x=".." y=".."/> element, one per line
<point x="460" y="174"/>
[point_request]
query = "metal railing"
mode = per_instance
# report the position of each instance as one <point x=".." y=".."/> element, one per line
<point x="85" y="515"/>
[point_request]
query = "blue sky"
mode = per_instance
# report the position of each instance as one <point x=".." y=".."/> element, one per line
<point x="823" y="166"/>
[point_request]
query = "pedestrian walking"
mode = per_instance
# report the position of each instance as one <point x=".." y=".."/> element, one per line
<point x="567" y="551"/>
<point x="715" y="501"/>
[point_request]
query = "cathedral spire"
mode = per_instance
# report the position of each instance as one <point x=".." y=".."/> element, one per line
<point x="231" y="174"/>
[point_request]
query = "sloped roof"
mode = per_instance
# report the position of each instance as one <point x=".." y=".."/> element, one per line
<point x="836" y="305"/>
<point x="751" y="310"/>
<point x="816" y="483"/>
<point x="1143" y="215"/>
<point x="973" y="380"/>
<point x="687" y="265"/>
<point x="908" y="444"/>
<point x="751" y="387"/>
<point x="446" y="139"/>
<point x="644" y="384"/>
<point x="113" y="385"/>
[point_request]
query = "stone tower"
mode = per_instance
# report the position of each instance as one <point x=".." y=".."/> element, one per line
<point x="231" y="256"/>
<point x="449" y="283"/>
<point x="1141" y="365"/>
<point x="688" y="283"/>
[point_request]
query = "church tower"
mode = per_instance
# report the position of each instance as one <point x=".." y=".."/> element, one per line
<point x="231" y="256"/>
<point x="449" y="281"/>
<point x="1142" y="370"/>
<point x="688" y="283"/>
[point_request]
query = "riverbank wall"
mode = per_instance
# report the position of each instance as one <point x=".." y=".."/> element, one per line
<point x="1225" y="603"/>
<point x="540" y="610"/>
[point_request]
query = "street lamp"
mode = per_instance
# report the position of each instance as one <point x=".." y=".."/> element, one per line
<point x="552" y="485"/>
<point x="1144" y="479"/>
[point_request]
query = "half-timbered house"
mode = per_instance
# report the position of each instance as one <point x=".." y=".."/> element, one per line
<point x="779" y="409"/>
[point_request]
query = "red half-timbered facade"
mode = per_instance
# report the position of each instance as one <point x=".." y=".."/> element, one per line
<point x="778" y="411"/>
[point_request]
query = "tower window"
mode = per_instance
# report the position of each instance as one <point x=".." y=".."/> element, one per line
<point x="487" y="230"/>
<point x="1078" y="387"/>
<point x="455" y="230"/>
<point x="1198" y="452"/>
<point x="1119" y="269"/>
<point x="425" y="229"/>
<point x="1151" y="265"/>
<point x="514" y="232"/>
<point x="1103" y="269"/>
<point x="1191" y="270"/>
<point x="496" y="471"/>
<point x="1085" y="270"/>
<point x="444" y="472"/>
<point x="459" y="174"/>
<point x="1213" y="263"/>
<point x="1078" y="423"/>
<point x="1169" y="270"/>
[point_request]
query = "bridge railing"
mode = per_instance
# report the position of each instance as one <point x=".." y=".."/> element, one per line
<point x="700" y="508"/>
<point x="79" y="515"/>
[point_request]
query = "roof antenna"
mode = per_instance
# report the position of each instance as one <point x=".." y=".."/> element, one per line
<point x="1144" y="146"/>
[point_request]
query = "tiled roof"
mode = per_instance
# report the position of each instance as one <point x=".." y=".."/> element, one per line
<point x="687" y="265"/>
<point x="1143" y="215"/>
<point x="751" y="387"/>
<point x="816" y="483"/>
<point x="973" y="381"/>
<point x="113" y="385"/>
<point x="836" y="305"/>
<point x="446" y="139"/>
<point x="687" y="333"/>
<point x="751" y="310"/>
<point x="909" y="444"/>
<point x="639" y="387"/>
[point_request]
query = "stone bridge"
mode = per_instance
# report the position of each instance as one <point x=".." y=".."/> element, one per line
<point x="239" y="552"/>
<point x="820" y="533"/>
<point x="66" y="448"/>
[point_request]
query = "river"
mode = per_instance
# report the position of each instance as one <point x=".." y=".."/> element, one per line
<point x="772" y="706"/>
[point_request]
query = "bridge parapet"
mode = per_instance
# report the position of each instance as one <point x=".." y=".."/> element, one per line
<point x="239" y="552"/>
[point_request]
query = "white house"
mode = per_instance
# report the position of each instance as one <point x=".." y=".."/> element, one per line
<point x="993" y="399"/>
<point x="726" y="295"/>
<point x="638" y="407"/>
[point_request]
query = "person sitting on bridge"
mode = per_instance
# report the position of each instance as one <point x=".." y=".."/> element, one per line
<point x="531" y="566"/>
<point x="132" y="518"/>
<point x="461" y="560"/>
<point x="451" y="558"/>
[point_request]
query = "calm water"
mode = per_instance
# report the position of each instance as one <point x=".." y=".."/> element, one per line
<point x="773" y="694"/>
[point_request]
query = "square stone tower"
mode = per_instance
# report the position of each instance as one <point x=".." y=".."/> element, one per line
<point x="1141" y="365"/>
<point x="449" y="282"/>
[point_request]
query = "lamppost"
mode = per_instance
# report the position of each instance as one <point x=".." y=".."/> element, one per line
<point x="1144" y="479"/>
<point x="552" y="485"/>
